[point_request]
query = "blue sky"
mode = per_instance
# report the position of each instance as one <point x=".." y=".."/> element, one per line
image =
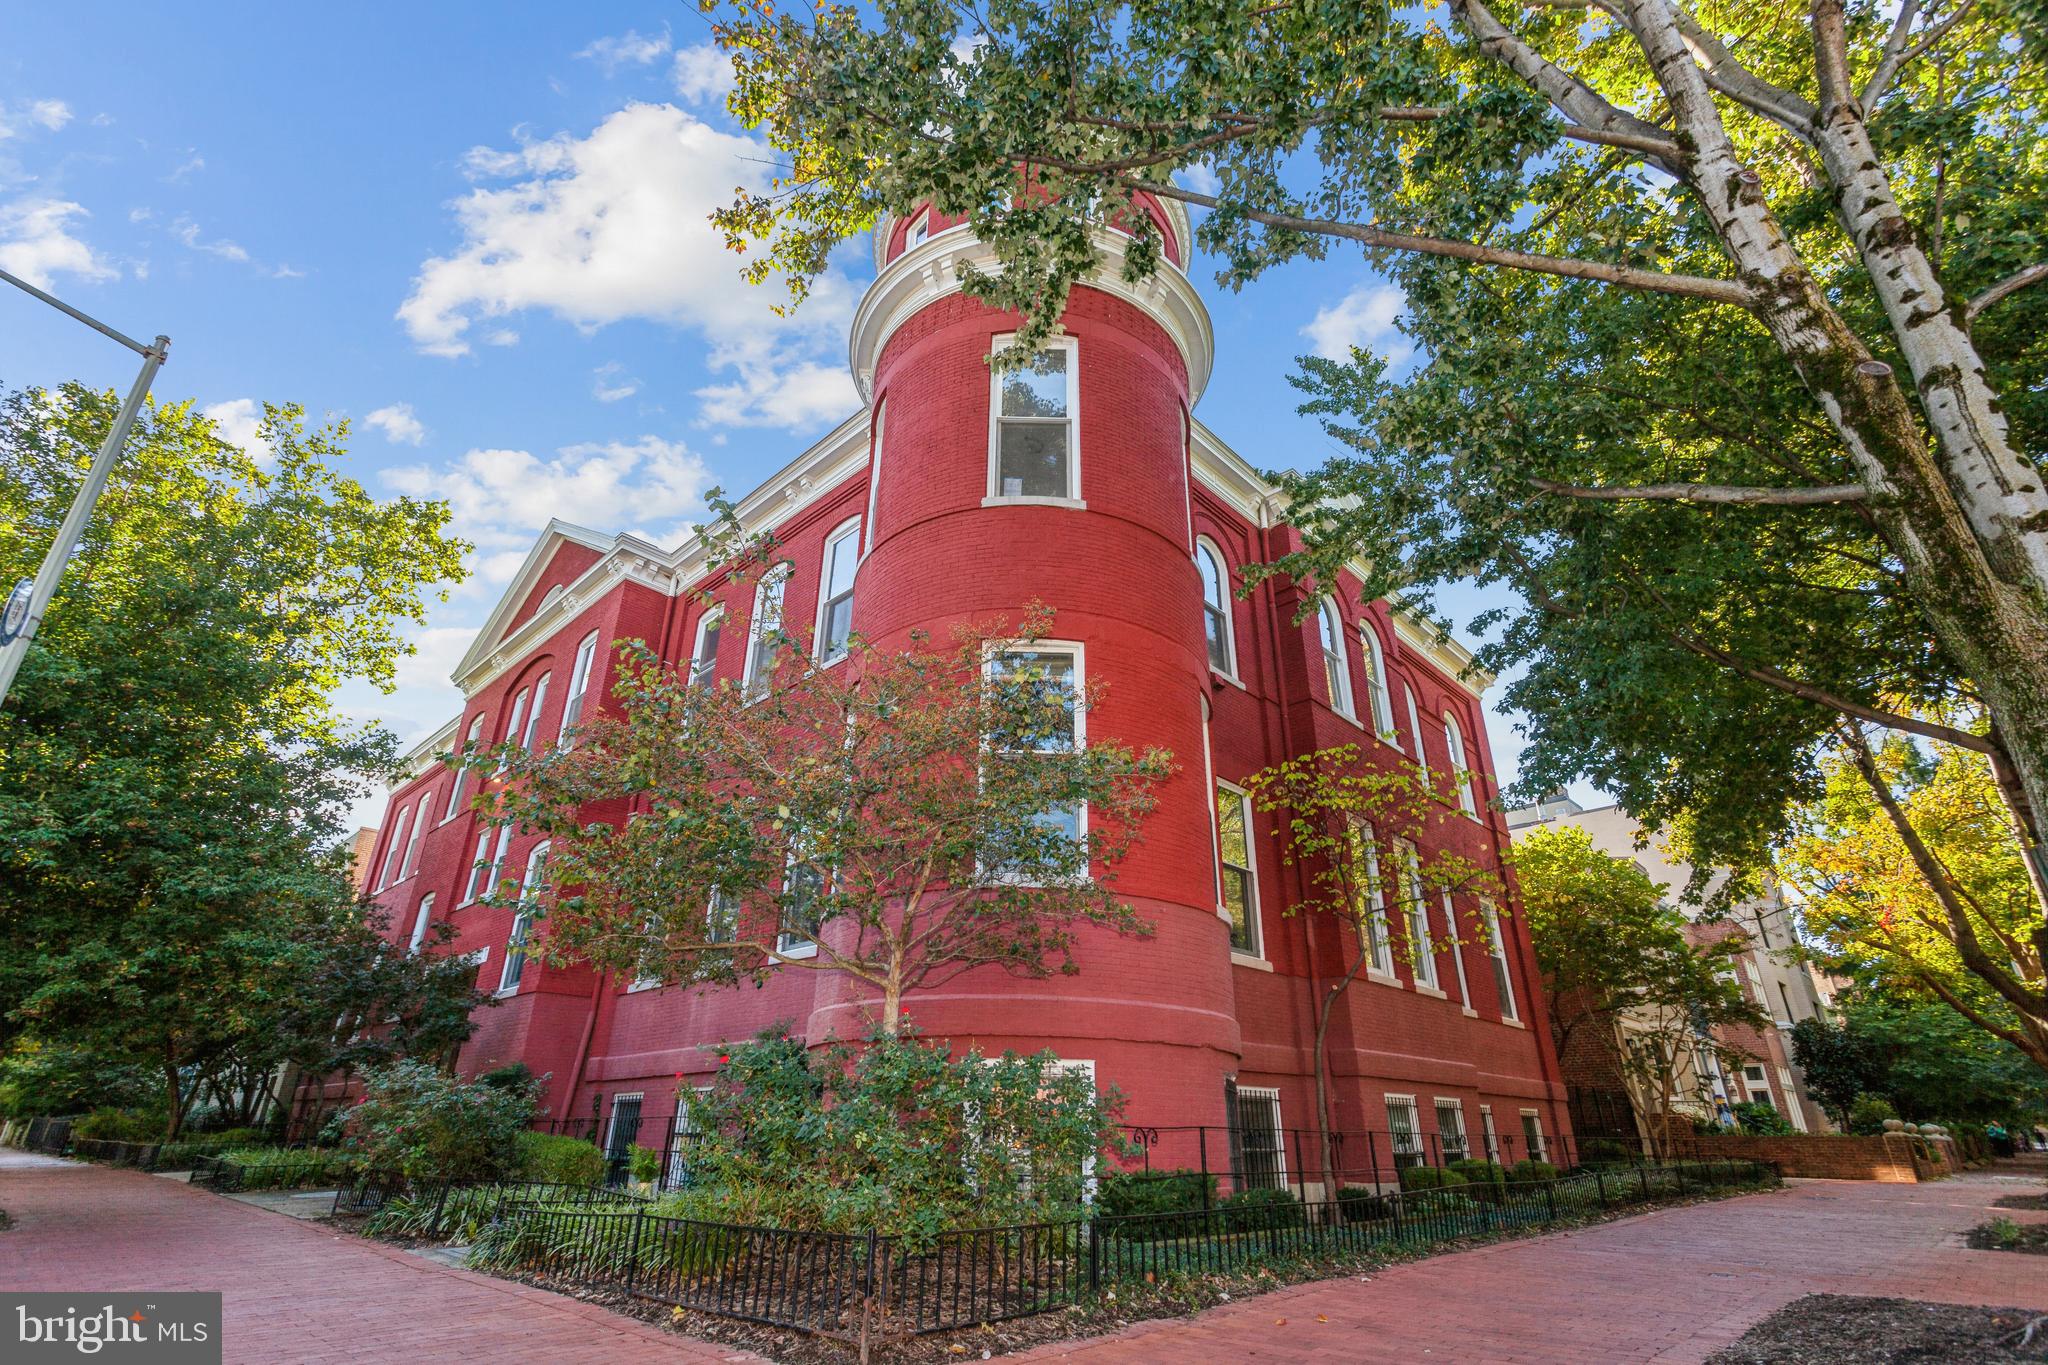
<point x="478" y="233"/>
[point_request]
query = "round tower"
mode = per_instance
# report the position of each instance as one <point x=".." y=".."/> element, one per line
<point x="1063" y="482"/>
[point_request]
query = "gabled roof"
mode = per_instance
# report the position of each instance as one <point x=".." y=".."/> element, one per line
<point x="555" y="534"/>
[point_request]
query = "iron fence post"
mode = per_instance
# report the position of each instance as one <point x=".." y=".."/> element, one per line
<point x="440" y="1206"/>
<point x="1600" y="1184"/>
<point x="1550" y="1198"/>
<point x="1643" y="1178"/>
<point x="633" y="1253"/>
<point x="1094" y="1256"/>
<point x="1202" y="1145"/>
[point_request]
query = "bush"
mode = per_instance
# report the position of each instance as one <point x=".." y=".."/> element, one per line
<point x="290" y="1168"/>
<point x="516" y="1077"/>
<point x="1360" y="1203"/>
<point x="121" y="1125"/>
<point x="417" y="1122"/>
<point x="1127" y="1193"/>
<point x="644" y="1164"/>
<point x="559" y="1160"/>
<point x="1759" y="1119"/>
<point x="1262" y="1211"/>
<point x="1483" y="1179"/>
<point x="1608" y="1152"/>
<point x="1426" y="1178"/>
<point x="1868" y="1114"/>
<point x="1531" y="1172"/>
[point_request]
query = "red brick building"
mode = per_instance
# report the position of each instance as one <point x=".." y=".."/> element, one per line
<point x="1085" y="483"/>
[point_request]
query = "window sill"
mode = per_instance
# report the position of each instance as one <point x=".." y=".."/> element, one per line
<point x="1257" y="964"/>
<point x="1384" y="979"/>
<point x="1431" y="991"/>
<point x="1230" y="678"/>
<point x="1514" y="1023"/>
<point x="504" y="992"/>
<point x="1077" y="504"/>
<point x="1468" y="1011"/>
<point x="645" y="983"/>
<point x="805" y="951"/>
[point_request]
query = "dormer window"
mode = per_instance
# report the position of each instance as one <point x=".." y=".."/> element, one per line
<point x="920" y="232"/>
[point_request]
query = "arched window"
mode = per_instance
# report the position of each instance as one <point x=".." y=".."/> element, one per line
<point x="420" y="924"/>
<point x="835" y="591"/>
<point x="1336" y="669"/>
<point x="1415" y="729"/>
<point x="1216" y="608"/>
<point x="1376" y="681"/>
<point x="579" y="681"/>
<point x="391" y="849"/>
<point x="412" y="846"/>
<point x="513" y="727"/>
<point x="540" y="699"/>
<point x="704" y="654"/>
<point x="1461" y="774"/>
<point x="476" y="732"/>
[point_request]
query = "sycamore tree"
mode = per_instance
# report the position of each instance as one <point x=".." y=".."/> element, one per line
<point x="1617" y="959"/>
<point x="173" y="779"/>
<point x="1909" y="875"/>
<point x="902" y="816"/>
<point x="1731" y="316"/>
<point x="1347" y="823"/>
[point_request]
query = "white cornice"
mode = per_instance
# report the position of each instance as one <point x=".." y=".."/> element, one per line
<point x="931" y="270"/>
<point x="424" y="754"/>
<point x="1176" y="218"/>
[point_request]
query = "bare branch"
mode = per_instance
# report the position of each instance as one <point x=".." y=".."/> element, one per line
<point x="1895" y="61"/>
<point x="1731" y="78"/>
<point x="1661" y="149"/>
<point x="2011" y="284"/>
<point x="1894" y="53"/>
<point x="1713" y="492"/>
<point x="1628" y="277"/>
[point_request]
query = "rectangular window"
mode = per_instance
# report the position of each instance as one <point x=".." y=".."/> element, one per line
<point x="1488" y="1133"/>
<point x="676" y="1170"/>
<point x="1532" y="1135"/>
<point x="1461" y="772"/>
<point x="1234" y="867"/>
<point x="1336" y="668"/>
<point x="476" y="732"/>
<point x="1497" y="950"/>
<point x="1457" y="949"/>
<point x="624" y="1130"/>
<point x="919" y="233"/>
<point x="1415" y="729"/>
<point x="764" y="633"/>
<point x="1261" y="1139"/>
<point x="1379" y="945"/>
<point x="391" y="850"/>
<point x="704" y="658"/>
<point x="484" y="877"/>
<point x="1404" y="1131"/>
<point x="513" y="726"/>
<point x="522" y="923"/>
<point x="412" y="845"/>
<point x="1034" y="451"/>
<point x="1415" y="905"/>
<point x="801" y="886"/>
<point x="1450" y="1130"/>
<point x="420" y="922"/>
<point x="835" y="592"/>
<point x="540" y="699"/>
<point x="579" y="681"/>
<point x="722" y="917"/>
<point x="1055" y="673"/>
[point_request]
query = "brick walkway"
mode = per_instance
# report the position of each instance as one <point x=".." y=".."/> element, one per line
<point x="295" y="1291"/>
<point x="1673" y="1285"/>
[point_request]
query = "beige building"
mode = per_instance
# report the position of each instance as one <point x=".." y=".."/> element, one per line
<point x="1770" y="971"/>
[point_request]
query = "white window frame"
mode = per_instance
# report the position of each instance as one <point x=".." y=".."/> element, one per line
<point x="611" y="1126"/>
<point x="422" y="917"/>
<point x="1451" y="1104"/>
<point x="1381" y="699"/>
<point x="476" y="732"/>
<point x="1489" y="1134"/>
<point x="1220" y="610"/>
<point x="579" y="684"/>
<point x="867" y="526"/>
<point x="540" y="700"/>
<point x="1497" y="952"/>
<point x="1072" y="497"/>
<point x="1408" y="1143"/>
<point x="1415" y="729"/>
<point x="681" y="1128"/>
<point x="391" y="850"/>
<point x="846" y="530"/>
<point x="1379" y="942"/>
<point x="1457" y="950"/>
<point x="1532" y="1132"/>
<point x="483" y="877"/>
<point x="1415" y="909"/>
<point x="1256" y="946"/>
<point x="514" y="724"/>
<point x="1461" y="771"/>
<point x="788" y="942"/>
<point x="760" y="670"/>
<point x="1262" y="1094"/>
<point x="918" y="233"/>
<point x="420" y="815"/>
<point x="514" y="970"/>
<point x="1336" y="660"/>
<point x="703" y="671"/>
<point x="1078" y="653"/>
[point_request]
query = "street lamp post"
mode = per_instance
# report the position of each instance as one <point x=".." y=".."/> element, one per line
<point x="25" y="608"/>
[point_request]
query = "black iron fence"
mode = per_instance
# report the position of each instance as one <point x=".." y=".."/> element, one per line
<point x="857" y="1285"/>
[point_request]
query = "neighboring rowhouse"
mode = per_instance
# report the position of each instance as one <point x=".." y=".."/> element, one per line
<point x="1087" y="485"/>
<point x="1771" y="975"/>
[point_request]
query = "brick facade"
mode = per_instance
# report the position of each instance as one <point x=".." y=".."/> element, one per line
<point x="1168" y="1018"/>
<point x="1890" y="1158"/>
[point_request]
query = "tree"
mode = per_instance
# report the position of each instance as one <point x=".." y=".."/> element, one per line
<point x="1731" y="317"/>
<point x="903" y="816"/>
<point x="1910" y="878"/>
<point x="1937" y="1066"/>
<point x="172" y="776"/>
<point x="1839" y="1065"/>
<point x="1338" y="817"/>
<point x="1617" y="958"/>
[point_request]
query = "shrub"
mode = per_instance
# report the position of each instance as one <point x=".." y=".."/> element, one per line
<point x="559" y="1160"/>
<point x="1483" y="1179"/>
<point x="1868" y="1114"/>
<point x="1426" y="1178"/>
<point x="1531" y="1172"/>
<point x="515" y="1076"/>
<point x="121" y="1125"/>
<point x="1759" y="1119"/>
<point x="1360" y="1203"/>
<point x="422" y="1124"/>
<point x="1127" y="1193"/>
<point x="1262" y="1210"/>
<point x="1607" y="1152"/>
<point x="644" y="1164"/>
<point x="290" y="1168"/>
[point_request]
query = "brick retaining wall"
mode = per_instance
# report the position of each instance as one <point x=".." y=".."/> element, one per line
<point x="1888" y="1159"/>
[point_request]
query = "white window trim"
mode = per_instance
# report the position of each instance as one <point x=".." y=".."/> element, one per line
<point x="514" y="724"/>
<point x="422" y="918"/>
<point x="1379" y="943"/>
<point x="778" y="579"/>
<point x="410" y="863"/>
<point x="476" y="732"/>
<point x="1438" y="1103"/>
<point x="867" y="525"/>
<point x="918" y="233"/>
<point x="1254" y="929"/>
<point x="540" y="700"/>
<point x="579" y="684"/>
<point x="611" y="1123"/>
<point x="1336" y="659"/>
<point x="1457" y="952"/>
<point x="1415" y="729"/>
<point x="522" y="924"/>
<point x="806" y="947"/>
<point x="702" y="670"/>
<point x="1497" y="952"/>
<point x="1542" y="1152"/>
<point x="1381" y="699"/>
<point x="993" y="650"/>
<point x="1489" y="1134"/>
<point x="1391" y="1103"/>
<point x="851" y="527"/>
<point x="1461" y="769"/>
<point x="1073" y="498"/>
<point x="1415" y="913"/>
<point x="392" y="849"/>
<point x="1204" y="544"/>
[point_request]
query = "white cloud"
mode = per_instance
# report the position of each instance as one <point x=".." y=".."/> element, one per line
<point x="52" y="114"/>
<point x="627" y="49"/>
<point x="610" y="382"/>
<point x="49" y="115"/>
<point x="191" y="165"/>
<point x="501" y="336"/>
<point x="187" y="231"/>
<point x="436" y="651"/>
<point x="703" y="74"/>
<point x="1200" y="177"/>
<point x="36" y="243"/>
<point x="1363" y="318"/>
<point x="616" y="225"/>
<point x="239" y="422"/>
<point x="398" y="424"/>
<point x="770" y="395"/>
<point x="501" y="498"/>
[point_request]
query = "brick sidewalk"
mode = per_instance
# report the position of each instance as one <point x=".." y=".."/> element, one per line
<point x="295" y="1291"/>
<point x="1673" y="1285"/>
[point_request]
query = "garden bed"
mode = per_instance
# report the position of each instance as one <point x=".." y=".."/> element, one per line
<point x="2006" y="1234"/>
<point x="1838" y="1329"/>
<point x="2036" y="1203"/>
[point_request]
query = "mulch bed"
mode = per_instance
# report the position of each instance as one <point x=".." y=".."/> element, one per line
<point x="1840" y="1329"/>
<point x="2036" y="1202"/>
<point x="2030" y="1238"/>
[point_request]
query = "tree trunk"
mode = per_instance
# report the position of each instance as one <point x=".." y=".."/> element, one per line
<point x="173" y="1099"/>
<point x="1323" y="1134"/>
